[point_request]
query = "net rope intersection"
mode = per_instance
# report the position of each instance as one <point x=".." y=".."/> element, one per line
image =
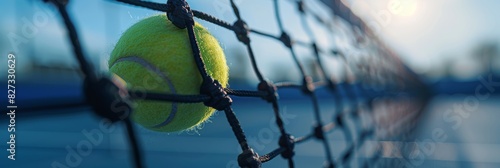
<point x="101" y="91"/>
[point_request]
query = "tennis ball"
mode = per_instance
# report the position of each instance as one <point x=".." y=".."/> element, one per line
<point x="155" y="56"/>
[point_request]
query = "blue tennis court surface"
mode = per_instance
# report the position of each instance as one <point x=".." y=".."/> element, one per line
<point x="63" y="137"/>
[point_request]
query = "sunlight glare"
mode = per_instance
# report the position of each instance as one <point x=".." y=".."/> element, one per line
<point x="403" y="7"/>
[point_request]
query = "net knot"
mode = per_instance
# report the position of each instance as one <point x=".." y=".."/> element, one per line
<point x="307" y="85"/>
<point x="270" y="88"/>
<point x="335" y="52"/>
<point x="318" y="132"/>
<point x="300" y="6"/>
<point x="249" y="159"/>
<point x="179" y="13"/>
<point x="105" y="95"/>
<point x="285" y="38"/>
<point x="241" y="29"/>
<point x="219" y="99"/>
<point x="339" y="121"/>
<point x="367" y="133"/>
<point x="330" y="84"/>
<point x="315" y="48"/>
<point x="286" y="141"/>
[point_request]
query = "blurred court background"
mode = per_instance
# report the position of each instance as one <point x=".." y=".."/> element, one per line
<point x="452" y="45"/>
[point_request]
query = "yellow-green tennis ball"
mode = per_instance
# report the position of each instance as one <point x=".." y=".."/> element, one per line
<point x="155" y="56"/>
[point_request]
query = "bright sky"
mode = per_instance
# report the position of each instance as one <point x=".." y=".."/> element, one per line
<point x="429" y="32"/>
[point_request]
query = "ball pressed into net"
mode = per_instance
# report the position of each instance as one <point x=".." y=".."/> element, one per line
<point x="155" y="56"/>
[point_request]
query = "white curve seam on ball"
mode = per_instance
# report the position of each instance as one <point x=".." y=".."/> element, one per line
<point x="157" y="71"/>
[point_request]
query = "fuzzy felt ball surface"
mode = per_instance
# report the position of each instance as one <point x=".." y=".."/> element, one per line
<point x="155" y="56"/>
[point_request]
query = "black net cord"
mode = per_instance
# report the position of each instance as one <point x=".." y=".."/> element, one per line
<point x="288" y="147"/>
<point x="307" y="86"/>
<point x="91" y="76"/>
<point x="364" y="133"/>
<point x="264" y="34"/>
<point x="303" y="21"/>
<point x="235" y="10"/>
<point x="254" y="63"/>
<point x="146" y="4"/>
<point x="290" y="163"/>
<point x="285" y="38"/>
<point x="319" y="131"/>
<point x="228" y="26"/>
<point x="339" y="107"/>
<point x="181" y="15"/>
<point x="277" y="15"/>
<point x="147" y="95"/>
<point x="353" y="112"/>
<point x="279" y="121"/>
<point x="236" y="127"/>
<point x="134" y="143"/>
<point x="339" y="114"/>
<point x="322" y="136"/>
<point x="271" y="155"/>
<point x="213" y="20"/>
<point x="77" y="48"/>
<point x="338" y="122"/>
<point x="237" y="131"/>
<point x="274" y="102"/>
<point x="246" y="40"/>
<point x="196" y="52"/>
